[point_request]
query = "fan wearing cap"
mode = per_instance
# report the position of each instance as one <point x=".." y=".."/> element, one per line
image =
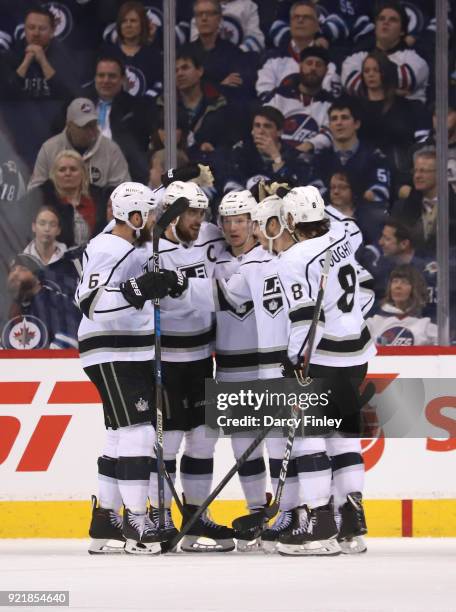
<point x="304" y="103"/>
<point x="105" y="163"/>
<point x="40" y="316"/>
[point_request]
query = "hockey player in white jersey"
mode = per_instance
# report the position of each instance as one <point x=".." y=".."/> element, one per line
<point x="191" y="246"/>
<point x="236" y="345"/>
<point x="116" y="345"/>
<point x="343" y="347"/>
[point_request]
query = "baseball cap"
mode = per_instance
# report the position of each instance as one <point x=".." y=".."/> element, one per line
<point x="81" y="111"/>
<point x="315" y="51"/>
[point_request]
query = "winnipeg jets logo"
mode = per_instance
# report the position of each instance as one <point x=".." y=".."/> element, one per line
<point x="142" y="405"/>
<point x="272" y="296"/>
<point x="25" y="333"/>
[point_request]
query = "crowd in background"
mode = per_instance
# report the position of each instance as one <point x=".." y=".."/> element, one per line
<point x="335" y="93"/>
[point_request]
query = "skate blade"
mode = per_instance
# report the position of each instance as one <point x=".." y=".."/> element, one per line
<point x="249" y="546"/>
<point x="106" y="547"/>
<point x="320" y="548"/>
<point x="201" y="544"/>
<point x="354" y="546"/>
<point x="268" y="547"/>
<point x="142" y="548"/>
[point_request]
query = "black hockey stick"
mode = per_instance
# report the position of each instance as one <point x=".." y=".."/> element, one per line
<point x="257" y="519"/>
<point x="171" y="544"/>
<point x="171" y="486"/>
<point x="176" y="209"/>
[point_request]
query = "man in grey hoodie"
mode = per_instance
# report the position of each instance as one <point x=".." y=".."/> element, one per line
<point x="105" y="162"/>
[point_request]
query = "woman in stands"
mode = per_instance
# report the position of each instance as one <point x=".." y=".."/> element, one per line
<point x="399" y="322"/>
<point x="141" y="56"/>
<point x="81" y="206"/>
<point x="389" y="120"/>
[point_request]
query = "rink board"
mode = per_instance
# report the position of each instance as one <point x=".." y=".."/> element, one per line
<point x="51" y="432"/>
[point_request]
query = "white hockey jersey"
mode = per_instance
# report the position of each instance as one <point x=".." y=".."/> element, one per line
<point x="111" y="329"/>
<point x="412" y="72"/>
<point x="236" y="343"/>
<point x="256" y="280"/>
<point x="186" y="333"/>
<point x="342" y="338"/>
<point x="391" y="328"/>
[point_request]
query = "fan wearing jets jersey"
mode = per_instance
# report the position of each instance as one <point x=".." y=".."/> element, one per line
<point x="236" y="345"/>
<point x="116" y="345"/>
<point x="343" y="347"/>
<point x="191" y="246"/>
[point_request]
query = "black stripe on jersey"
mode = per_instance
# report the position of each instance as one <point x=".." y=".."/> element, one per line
<point x="118" y="264"/>
<point x="114" y="309"/>
<point x="368" y="283"/>
<point x="257" y="262"/>
<point x="345" y="346"/>
<point x="187" y="342"/>
<point x="305" y="313"/>
<point x="116" y="341"/>
<point x="224" y="261"/>
<point x="272" y="357"/>
<point x="223" y="303"/>
<point x="208" y="242"/>
<point x="328" y="213"/>
<point x="86" y="303"/>
<point x="241" y="360"/>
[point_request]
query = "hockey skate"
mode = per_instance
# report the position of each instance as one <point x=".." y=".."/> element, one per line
<point x="206" y="536"/>
<point x="314" y="533"/>
<point x="169" y="529"/>
<point x="353" y="525"/>
<point x="270" y="536"/>
<point x="105" y="531"/>
<point x="141" y="535"/>
<point x="249" y="540"/>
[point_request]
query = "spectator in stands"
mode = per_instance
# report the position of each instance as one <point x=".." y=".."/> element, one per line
<point x="341" y="194"/>
<point x="209" y="122"/>
<point x="240" y="25"/>
<point x="280" y="64"/>
<point x="158" y="166"/>
<point x="390" y="29"/>
<point x="304" y="103"/>
<point x="126" y="120"/>
<point x="46" y="229"/>
<point x="157" y="137"/>
<point x="391" y="122"/>
<point x="419" y="209"/>
<point x="340" y="23"/>
<point x="141" y="57"/>
<point x="40" y="317"/>
<point x="366" y="166"/>
<point x="397" y="248"/>
<point x="225" y="66"/>
<point x="399" y="321"/>
<point x="81" y="206"/>
<point x="40" y="67"/>
<point x="104" y="161"/>
<point x="263" y="155"/>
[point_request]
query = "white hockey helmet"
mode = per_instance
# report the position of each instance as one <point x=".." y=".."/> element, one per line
<point x="132" y="197"/>
<point x="194" y="194"/>
<point x="304" y="204"/>
<point x="237" y="203"/>
<point x="265" y="210"/>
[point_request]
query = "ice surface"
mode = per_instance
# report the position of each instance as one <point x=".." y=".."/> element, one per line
<point x="406" y="575"/>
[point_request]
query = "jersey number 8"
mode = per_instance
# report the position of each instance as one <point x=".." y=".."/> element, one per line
<point x="347" y="280"/>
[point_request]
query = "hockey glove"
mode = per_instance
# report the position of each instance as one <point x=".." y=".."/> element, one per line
<point x="190" y="172"/>
<point x="290" y="370"/>
<point x="176" y="282"/>
<point x="146" y="287"/>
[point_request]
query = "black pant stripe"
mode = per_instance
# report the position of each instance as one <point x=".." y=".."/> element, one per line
<point x="338" y="462"/>
<point x="275" y="465"/>
<point x="190" y="465"/>
<point x="107" y="466"/>
<point x="317" y="462"/>
<point x="133" y="468"/>
<point x="113" y="417"/>
<point x="253" y="467"/>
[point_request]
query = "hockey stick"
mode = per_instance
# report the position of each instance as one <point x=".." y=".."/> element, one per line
<point x="257" y="519"/>
<point x="171" y="544"/>
<point x="171" y="486"/>
<point x="176" y="209"/>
